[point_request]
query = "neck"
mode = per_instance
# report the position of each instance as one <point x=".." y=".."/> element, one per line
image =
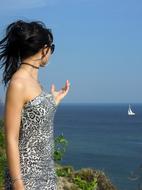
<point x="30" y="65"/>
<point x="31" y="69"/>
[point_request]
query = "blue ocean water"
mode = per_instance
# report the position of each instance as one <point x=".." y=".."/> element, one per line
<point x="104" y="137"/>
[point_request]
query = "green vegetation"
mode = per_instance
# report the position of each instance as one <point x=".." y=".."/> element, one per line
<point x="83" y="179"/>
<point x="68" y="177"/>
<point x="60" y="147"/>
<point x="2" y="153"/>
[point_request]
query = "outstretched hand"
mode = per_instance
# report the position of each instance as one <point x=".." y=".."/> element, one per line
<point x="59" y="95"/>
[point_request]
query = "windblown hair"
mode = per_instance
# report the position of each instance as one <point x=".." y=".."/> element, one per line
<point x="22" y="40"/>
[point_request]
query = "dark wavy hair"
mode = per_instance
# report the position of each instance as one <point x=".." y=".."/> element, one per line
<point x="22" y="40"/>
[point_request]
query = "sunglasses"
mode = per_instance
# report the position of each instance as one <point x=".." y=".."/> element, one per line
<point x="52" y="47"/>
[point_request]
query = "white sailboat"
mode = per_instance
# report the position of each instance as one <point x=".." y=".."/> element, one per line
<point x="130" y="112"/>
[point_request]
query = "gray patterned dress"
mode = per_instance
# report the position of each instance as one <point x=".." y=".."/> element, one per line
<point x="36" y="144"/>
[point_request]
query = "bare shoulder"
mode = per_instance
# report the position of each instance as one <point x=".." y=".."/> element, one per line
<point x="15" y="85"/>
<point x="15" y="89"/>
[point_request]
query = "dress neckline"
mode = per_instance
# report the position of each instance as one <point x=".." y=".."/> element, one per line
<point x="42" y="92"/>
<point x="34" y="98"/>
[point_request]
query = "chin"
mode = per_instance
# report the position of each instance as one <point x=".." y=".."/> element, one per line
<point x="43" y="64"/>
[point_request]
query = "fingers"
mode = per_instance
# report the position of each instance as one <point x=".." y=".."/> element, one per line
<point x="67" y="84"/>
<point x="66" y="87"/>
<point x="63" y="89"/>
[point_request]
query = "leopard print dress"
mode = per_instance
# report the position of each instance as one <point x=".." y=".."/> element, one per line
<point x="36" y="144"/>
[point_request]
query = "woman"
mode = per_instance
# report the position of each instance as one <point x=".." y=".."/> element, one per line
<point x="29" y="109"/>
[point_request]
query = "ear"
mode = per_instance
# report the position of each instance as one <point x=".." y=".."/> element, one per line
<point x="44" y="50"/>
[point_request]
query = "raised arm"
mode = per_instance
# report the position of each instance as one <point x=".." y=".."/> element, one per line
<point x="12" y="117"/>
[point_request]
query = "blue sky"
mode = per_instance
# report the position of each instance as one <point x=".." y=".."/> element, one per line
<point x="98" y="46"/>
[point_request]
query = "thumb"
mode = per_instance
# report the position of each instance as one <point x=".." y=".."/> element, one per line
<point x="52" y="88"/>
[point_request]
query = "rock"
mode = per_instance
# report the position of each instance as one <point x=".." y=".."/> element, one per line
<point x="67" y="174"/>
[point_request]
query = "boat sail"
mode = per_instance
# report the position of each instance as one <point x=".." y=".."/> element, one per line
<point x="130" y="112"/>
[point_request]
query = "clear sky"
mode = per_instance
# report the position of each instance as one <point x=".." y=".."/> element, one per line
<point x="98" y="46"/>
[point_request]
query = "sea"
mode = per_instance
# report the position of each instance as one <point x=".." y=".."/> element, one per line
<point x="103" y="137"/>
